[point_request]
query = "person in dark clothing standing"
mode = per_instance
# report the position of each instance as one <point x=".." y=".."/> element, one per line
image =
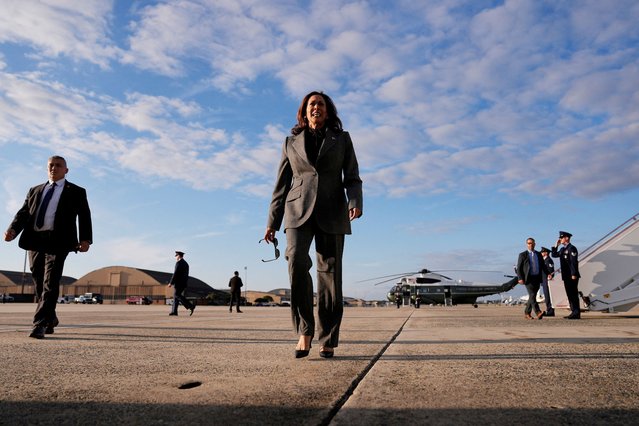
<point x="317" y="193"/>
<point x="550" y="265"/>
<point x="53" y="216"/>
<point x="236" y="290"/>
<point x="530" y="268"/>
<point x="569" y="264"/>
<point x="179" y="282"/>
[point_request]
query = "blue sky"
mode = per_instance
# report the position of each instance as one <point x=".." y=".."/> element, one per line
<point x="476" y="124"/>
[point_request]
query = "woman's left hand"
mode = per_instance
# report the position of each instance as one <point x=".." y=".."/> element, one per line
<point x="354" y="213"/>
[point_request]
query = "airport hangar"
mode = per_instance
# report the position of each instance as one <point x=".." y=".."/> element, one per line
<point x="117" y="283"/>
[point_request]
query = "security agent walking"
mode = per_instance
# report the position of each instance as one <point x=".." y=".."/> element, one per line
<point x="236" y="290"/>
<point x="47" y="220"/>
<point x="569" y="264"/>
<point x="179" y="281"/>
<point x="550" y="265"/>
<point x="530" y="269"/>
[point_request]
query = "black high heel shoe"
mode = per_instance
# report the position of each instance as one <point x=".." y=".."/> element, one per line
<point x="301" y="353"/>
<point x="324" y="353"/>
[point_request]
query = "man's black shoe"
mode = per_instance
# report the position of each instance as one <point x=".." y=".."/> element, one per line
<point x="172" y="314"/>
<point x="549" y="313"/>
<point x="37" y="332"/>
<point x="49" y="328"/>
<point x="192" y="309"/>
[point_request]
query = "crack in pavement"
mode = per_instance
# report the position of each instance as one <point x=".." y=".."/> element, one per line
<point x="344" y="398"/>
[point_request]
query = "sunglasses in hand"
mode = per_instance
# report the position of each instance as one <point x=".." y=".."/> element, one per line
<point x="277" y="251"/>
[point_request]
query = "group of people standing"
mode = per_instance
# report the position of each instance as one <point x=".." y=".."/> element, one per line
<point x="536" y="268"/>
<point x="318" y="192"/>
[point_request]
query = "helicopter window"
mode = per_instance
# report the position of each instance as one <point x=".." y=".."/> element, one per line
<point x="422" y="280"/>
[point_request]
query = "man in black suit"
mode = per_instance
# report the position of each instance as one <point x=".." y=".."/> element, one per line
<point x="179" y="281"/>
<point x="569" y="264"/>
<point x="236" y="291"/>
<point x="47" y="220"/>
<point x="530" y="267"/>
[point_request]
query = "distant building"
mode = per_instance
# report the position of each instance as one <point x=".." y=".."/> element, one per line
<point x="20" y="285"/>
<point x="278" y="295"/>
<point x="114" y="283"/>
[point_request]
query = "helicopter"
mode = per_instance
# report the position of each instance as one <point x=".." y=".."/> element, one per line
<point x="432" y="287"/>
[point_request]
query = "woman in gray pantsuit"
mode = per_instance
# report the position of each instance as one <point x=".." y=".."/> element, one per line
<point x="317" y="193"/>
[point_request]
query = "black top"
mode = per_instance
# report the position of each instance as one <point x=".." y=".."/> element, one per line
<point x="313" y="140"/>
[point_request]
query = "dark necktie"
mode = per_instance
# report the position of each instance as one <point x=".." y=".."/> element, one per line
<point x="44" y="205"/>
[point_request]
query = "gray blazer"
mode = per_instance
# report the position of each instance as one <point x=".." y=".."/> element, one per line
<point x="329" y="189"/>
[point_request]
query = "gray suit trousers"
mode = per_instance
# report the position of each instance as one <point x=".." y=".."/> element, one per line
<point x="330" y="306"/>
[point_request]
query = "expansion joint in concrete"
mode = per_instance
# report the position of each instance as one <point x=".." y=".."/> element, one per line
<point x="344" y="398"/>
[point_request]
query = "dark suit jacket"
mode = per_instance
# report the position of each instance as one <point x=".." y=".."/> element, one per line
<point x="236" y="284"/>
<point x="524" y="267"/>
<point x="568" y="261"/>
<point x="180" y="276"/>
<point x="73" y="205"/>
<point x="302" y="189"/>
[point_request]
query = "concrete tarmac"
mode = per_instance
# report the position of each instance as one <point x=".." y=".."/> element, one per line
<point x="118" y="364"/>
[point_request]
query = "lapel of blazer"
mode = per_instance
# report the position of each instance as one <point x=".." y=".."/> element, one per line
<point x="299" y="146"/>
<point x="64" y="196"/>
<point x="38" y="197"/>
<point x="329" y="141"/>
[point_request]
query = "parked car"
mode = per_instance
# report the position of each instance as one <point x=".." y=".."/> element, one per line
<point x="83" y="299"/>
<point x="6" y="298"/>
<point x="65" y="299"/>
<point x="89" y="298"/>
<point x="138" y="300"/>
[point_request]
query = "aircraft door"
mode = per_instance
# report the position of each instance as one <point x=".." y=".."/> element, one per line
<point x="448" y="297"/>
<point x="406" y="296"/>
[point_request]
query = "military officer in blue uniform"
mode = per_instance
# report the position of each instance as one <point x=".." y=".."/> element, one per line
<point x="569" y="263"/>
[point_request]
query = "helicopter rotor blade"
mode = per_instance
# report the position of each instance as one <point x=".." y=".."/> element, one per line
<point x="422" y="271"/>
<point x="391" y="277"/>
<point x="466" y="270"/>
<point x="388" y="280"/>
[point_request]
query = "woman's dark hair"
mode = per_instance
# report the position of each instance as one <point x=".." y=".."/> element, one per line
<point x="332" y="121"/>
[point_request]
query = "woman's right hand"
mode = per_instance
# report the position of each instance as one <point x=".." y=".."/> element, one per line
<point x="269" y="235"/>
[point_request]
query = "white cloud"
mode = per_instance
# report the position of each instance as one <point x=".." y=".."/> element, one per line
<point x="446" y="96"/>
<point x="445" y="226"/>
<point x="61" y="27"/>
<point x="143" y="252"/>
<point x="590" y="164"/>
<point x="611" y="93"/>
<point x="37" y="110"/>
